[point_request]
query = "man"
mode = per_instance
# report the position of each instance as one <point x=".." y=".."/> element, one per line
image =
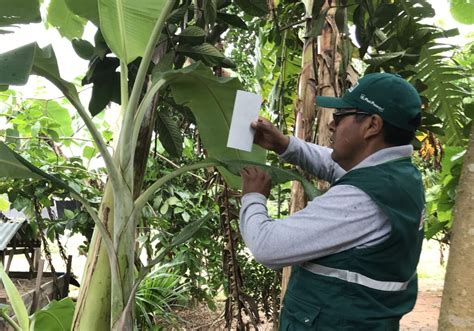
<point x="354" y="250"/>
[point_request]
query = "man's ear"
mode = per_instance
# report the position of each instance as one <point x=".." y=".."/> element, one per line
<point x="373" y="126"/>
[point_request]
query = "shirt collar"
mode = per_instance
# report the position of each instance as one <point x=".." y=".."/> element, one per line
<point x="385" y="155"/>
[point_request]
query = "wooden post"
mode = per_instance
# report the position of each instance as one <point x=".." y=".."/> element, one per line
<point x="10" y="258"/>
<point x="67" y="277"/>
<point x="37" y="294"/>
<point x="36" y="258"/>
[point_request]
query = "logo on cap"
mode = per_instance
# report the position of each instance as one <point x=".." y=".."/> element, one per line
<point x="352" y="88"/>
<point x="371" y="102"/>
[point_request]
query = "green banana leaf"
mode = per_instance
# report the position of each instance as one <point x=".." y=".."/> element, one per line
<point x="278" y="175"/>
<point x="61" y="17"/>
<point x="15" y="300"/>
<point x="19" y="12"/>
<point x="57" y="315"/>
<point x="88" y="9"/>
<point x="10" y="167"/>
<point x="18" y="64"/>
<point x="127" y="24"/>
<point x="189" y="230"/>
<point x="211" y="99"/>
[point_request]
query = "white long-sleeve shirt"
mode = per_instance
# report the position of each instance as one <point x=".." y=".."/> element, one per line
<point x="342" y="218"/>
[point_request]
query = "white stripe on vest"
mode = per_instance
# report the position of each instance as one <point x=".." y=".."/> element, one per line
<point x="356" y="278"/>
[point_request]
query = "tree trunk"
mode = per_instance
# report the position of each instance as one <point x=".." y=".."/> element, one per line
<point x="93" y="305"/>
<point x="93" y="309"/>
<point x="326" y="62"/>
<point x="329" y="62"/>
<point x="457" y="305"/>
<point x="305" y="114"/>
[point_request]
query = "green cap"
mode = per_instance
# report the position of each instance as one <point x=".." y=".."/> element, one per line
<point x="387" y="95"/>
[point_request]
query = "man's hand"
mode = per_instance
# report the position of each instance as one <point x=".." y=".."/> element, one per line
<point x="269" y="137"/>
<point x="255" y="180"/>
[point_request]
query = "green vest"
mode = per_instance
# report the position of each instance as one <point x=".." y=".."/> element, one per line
<point x="367" y="288"/>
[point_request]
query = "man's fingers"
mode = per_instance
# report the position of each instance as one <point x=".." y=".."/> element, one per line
<point x="251" y="171"/>
<point x="261" y="124"/>
<point x="244" y="172"/>
<point x="248" y="171"/>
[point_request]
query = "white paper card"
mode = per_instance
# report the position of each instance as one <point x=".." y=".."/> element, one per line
<point x="246" y="108"/>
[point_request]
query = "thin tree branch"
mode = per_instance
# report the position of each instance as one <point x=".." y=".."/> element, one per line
<point x="288" y="26"/>
<point x="177" y="166"/>
<point x="46" y="138"/>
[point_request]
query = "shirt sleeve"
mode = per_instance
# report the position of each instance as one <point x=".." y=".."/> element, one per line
<point x="343" y="218"/>
<point x="313" y="158"/>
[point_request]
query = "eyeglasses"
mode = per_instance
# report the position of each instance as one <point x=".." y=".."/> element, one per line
<point x="339" y="115"/>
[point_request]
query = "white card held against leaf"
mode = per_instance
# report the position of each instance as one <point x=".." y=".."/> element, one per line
<point x="246" y="108"/>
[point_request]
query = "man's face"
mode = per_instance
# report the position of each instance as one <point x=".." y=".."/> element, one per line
<point x="347" y="138"/>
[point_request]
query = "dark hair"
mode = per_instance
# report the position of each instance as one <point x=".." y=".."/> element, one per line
<point x="397" y="137"/>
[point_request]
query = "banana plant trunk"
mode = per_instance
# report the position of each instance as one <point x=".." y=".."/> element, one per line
<point x="305" y="110"/>
<point x="93" y="305"/>
<point x="457" y="305"/>
<point x="93" y="309"/>
<point x="323" y="61"/>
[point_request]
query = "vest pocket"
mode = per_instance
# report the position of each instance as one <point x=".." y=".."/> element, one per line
<point x="298" y="315"/>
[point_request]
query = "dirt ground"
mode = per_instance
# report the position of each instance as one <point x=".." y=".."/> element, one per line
<point x="424" y="316"/>
<point x="23" y="286"/>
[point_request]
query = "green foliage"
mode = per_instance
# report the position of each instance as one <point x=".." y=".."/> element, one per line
<point x="211" y="100"/>
<point x="162" y="291"/>
<point x="277" y="174"/>
<point x="83" y="48"/>
<point x="15" y="65"/>
<point x="398" y="41"/>
<point x="18" y="12"/>
<point x="102" y="73"/>
<point x="232" y="20"/>
<point x="56" y="316"/>
<point x="206" y="53"/>
<point x="193" y="35"/>
<point x="15" y="300"/>
<point x="254" y="7"/>
<point x="65" y="21"/>
<point x="39" y="130"/>
<point x="127" y="24"/>
<point x="173" y="208"/>
<point x="441" y="196"/>
<point x="87" y="9"/>
<point x="10" y="167"/>
<point x="31" y="59"/>
<point x="189" y="230"/>
<point x="169" y="133"/>
<point x="444" y="94"/>
<point x="279" y="63"/>
<point x="131" y="21"/>
<point x="462" y="11"/>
